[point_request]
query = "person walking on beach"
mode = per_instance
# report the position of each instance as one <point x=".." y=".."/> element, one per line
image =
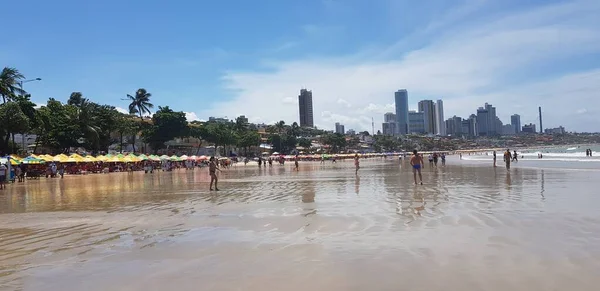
<point x="443" y="159"/>
<point x="435" y="159"/>
<point x="296" y="162"/>
<point x="507" y="159"/>
<point x="3" y="175"/>
<point x="494" y="159"/>
<point x="515" y="158"/>
<point x="212" y="170"/>
<point x="416" y="161"/>
<point x="430" y="158"/>
<point x="356" y="163"/>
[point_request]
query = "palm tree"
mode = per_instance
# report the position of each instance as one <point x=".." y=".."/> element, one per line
<point x="10" y="80"/>
<point x="140" y="104"/>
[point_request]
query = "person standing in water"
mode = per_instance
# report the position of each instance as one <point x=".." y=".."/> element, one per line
<point x="494" y="159"/>
<point x="212" y="170"/>
<point x="356" y="163"/>
<point x="430" y="158"/>
<point x="435" y="159"/>
<point x="416" y="161"/>
<point x="507" y="159"/>
<point x="443" y="159"/>
<point x="515" y="158"/>
<point x="296" y="162"/>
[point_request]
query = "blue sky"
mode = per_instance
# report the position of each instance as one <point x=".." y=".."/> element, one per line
<point x="226" y="58"/>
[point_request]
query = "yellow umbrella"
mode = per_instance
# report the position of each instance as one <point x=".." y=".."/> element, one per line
<point x="60" y="158"/>
<point x="101" y="158"/>
<point x="89" y="159"/>
<point x="47" y="158"/>
<point x="76" y="156"/>
<point x="115" y="159"/>
<point x="132" y="158"/>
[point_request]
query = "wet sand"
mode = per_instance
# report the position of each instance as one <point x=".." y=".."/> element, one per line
<point x="470" y="226"/>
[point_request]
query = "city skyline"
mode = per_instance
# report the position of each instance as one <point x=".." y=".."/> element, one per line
<point x="466" y="53"/>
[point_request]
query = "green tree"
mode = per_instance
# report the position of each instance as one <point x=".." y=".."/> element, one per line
<point x="247" y="140"/>
<point x="220" y="134"/>
<point x="197" y="130"/>
<point x="12" y="120"/>
<point x="56" y="128"/>
<point x="336" y="141"/>
<point x="166" y="125"/>
<point x="305" y="143"/>
<point x="10" y="84"/>
<point x="76" y="99"/>
<point x="140" y="104"/>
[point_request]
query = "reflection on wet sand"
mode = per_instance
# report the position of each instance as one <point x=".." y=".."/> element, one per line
<point x="320" y="228"/>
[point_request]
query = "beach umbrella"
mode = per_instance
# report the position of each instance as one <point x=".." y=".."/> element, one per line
<point x="164" y="157"/>
<point x="101" y="158"/>
<point x="174" y="158"/>
<point x="154" y="158"/>
<point x="143" y="157"/>
<point x="89" y="159"/>
<point x="184" y="157"/>
<point x="202" y="158"/>
<point x="60" y="158"/>
<point x="193" y="158"/>
<point x="132" y="158"/>
<point x="32" y="161"/>
<point x="114" y="159"/>
<point x="275" y="153"/>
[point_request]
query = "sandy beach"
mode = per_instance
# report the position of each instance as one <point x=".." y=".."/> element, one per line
<point x="470" y="226"/>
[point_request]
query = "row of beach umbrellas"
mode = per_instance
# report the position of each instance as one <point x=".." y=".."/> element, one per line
<point x="109" y="158"/>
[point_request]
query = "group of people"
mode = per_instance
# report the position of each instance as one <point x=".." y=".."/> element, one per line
<point x="588" y="152"/>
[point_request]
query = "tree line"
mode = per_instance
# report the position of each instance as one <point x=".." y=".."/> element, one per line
<point x="81" y="122"/>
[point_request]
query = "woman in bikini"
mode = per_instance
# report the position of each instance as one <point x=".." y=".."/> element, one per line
<point x="212" y="170"/>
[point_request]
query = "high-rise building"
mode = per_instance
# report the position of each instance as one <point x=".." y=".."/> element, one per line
<point x="350" y="132"/>
<point x="401" y="100"/>
<point x="439" y="115"/>
<point x="482" y="121"/>
<point x="339" y="128"/>
<point x="454" y="126"/>
<point x="427" y="107"/>
<point x="389" y="117"/>
<point x="499" y="126"/>
<point x="416" y="121"/>
<point x="515" y="122"/>
<point x="473" y="125"/>
<point x="492" y="123"/>
<point x="529" y="128"/>
<point x="389" y="128"/>
<point x="305" y="104"/>
<point x="508" y="129"/>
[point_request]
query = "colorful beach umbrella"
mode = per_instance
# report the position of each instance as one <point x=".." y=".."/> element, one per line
<point x="31" y="160"/>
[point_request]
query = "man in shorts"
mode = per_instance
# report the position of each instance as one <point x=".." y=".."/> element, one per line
<point x="3" y="175"/>
<point x="416" y="161"/>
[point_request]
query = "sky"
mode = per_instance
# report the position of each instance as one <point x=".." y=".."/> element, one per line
<point x="235" y="57"/>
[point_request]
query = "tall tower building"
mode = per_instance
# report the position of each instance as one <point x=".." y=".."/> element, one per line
<point x="492" y="123"/>
<point x="515" y="121"/>
<point x="305" y="104"/>
<point x="389" y="117"/>
<point x="482" y="120"/>
<point x="439" y="115"/>
<point x="401" y="100"/>
<point x="339" y="128"/>
<point x="427" y="107"/>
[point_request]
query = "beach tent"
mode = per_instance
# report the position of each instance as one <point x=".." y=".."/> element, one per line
<point x="32" y="161"/>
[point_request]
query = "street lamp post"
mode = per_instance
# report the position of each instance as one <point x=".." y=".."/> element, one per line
<point x="23" y="134"/>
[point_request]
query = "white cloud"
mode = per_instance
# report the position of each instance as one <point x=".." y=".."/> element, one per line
<point x="122" y="110"/>
<point x="191" y="116"/>
<point x="465" y="67"/>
